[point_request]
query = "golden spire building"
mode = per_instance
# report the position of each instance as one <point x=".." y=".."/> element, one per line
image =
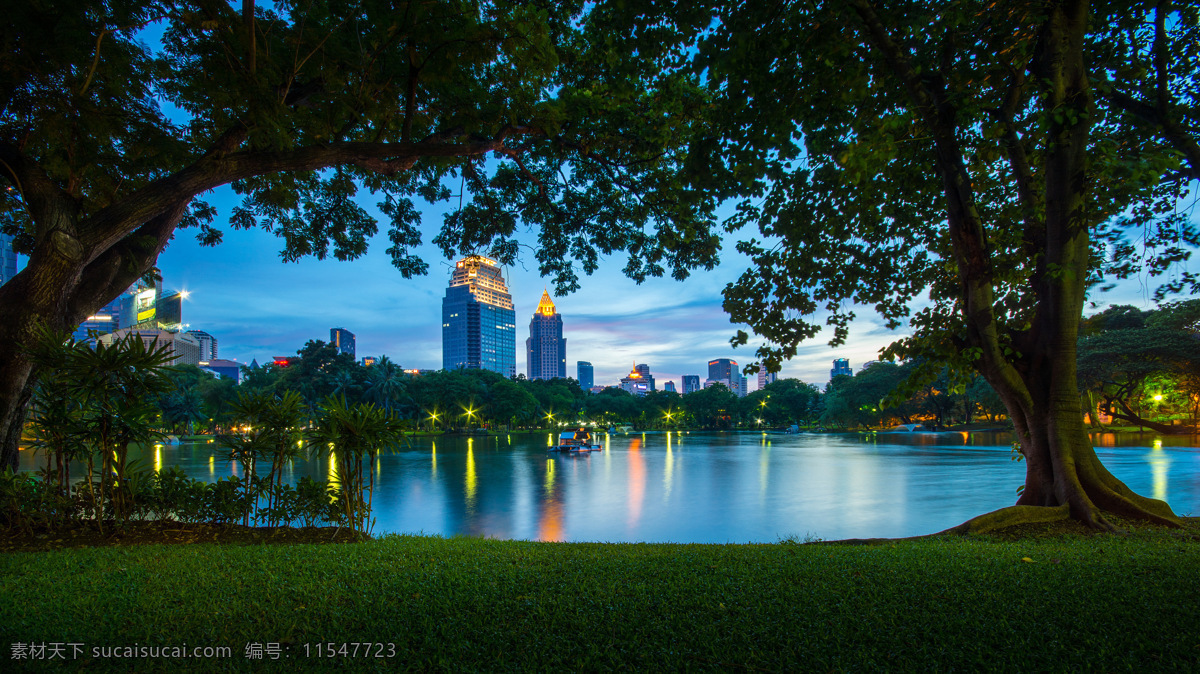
<point x="546" y="350"/>
<point x="479" y="328"/>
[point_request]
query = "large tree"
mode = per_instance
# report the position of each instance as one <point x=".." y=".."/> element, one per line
<point x="116" y="116"/>
<point x="970" y="168"/>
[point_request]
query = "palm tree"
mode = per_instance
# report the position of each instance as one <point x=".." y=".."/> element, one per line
<point x="385" y="387"/>
<point x="355" y="434"/>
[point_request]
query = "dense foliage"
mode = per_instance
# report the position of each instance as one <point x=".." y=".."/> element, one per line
<point x="1143" y="367"/>
<point x="564" y="119"/>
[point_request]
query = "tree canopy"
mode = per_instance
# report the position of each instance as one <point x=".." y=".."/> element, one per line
<point x="567" y="118"/>
<point x="969" y="169"/>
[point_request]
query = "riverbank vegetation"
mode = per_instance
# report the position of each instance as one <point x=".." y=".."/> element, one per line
<point x="1101" y="602"/>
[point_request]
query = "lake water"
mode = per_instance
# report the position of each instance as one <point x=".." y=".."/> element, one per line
<point x="713" y="487"/>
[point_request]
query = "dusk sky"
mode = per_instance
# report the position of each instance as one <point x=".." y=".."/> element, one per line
<point x="258" y="307"/>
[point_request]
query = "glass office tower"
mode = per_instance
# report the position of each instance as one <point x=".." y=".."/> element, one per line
<point x="546" y="350"/>
<point x="479" y="326"/>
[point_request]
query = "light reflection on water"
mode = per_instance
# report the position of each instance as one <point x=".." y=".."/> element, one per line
<point x="712" y="487"/>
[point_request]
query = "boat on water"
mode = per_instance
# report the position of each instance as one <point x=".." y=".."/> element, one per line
<point x="578" y="441"/>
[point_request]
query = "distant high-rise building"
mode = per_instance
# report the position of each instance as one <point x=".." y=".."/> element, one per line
<point x="478" y="322"/>
<point x="635" y="383"/>
<point x="722" y="368"/>
<point x="644" y="370"/>
<point x="584" y="374"/>
<point x="208" y="345"/>
<point x="343" y="340"/>
<point x="146" y="306"/>
<point x="765" y="378"/>
<point x="368" y="361"/>
<point x="841" y="366"/>
<point x="8" y="259"/>
<point x="669" y="387"/>
<point x="691" y="383"/>
<point x="546" y="350"/>
<point x="727" y="372"/>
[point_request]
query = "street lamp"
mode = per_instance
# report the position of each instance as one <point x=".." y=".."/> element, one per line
<point x="433" y="417"/>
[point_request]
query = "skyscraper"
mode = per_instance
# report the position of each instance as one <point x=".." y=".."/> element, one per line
<point x="343" y="340"/>
<point x="147" y="306"/>
<point x="479" y="328"/>
<point x="583" y="370"/>
<point x="546" y="350"/>
<point x="644" y="370"/>
<point x="208" y="345"/>
<point x="8" y="259"/>
<point x="727" y="372"/>
<point x="635" y="383"/>
<point x="841" y="366"/>
<point x="691" y="383"/>
<point x="766" y="378"/>
<point x="669" y="387"/>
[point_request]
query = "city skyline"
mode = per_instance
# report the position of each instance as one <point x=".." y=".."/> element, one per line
<point x="259" y="307"/>
<point x="613" y="320"/>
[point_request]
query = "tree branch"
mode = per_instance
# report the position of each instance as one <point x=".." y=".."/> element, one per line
<point x="110" y="225"/>
<point x="120" y="266"/>
<point x="41" y="196"/>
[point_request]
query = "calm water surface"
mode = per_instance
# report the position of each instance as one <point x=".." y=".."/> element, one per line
<point x="714" y="487"/>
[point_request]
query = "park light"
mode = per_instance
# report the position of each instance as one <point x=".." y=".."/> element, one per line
<point x="1157" y="397"/>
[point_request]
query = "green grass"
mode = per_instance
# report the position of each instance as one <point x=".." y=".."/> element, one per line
<point x="1098" y="603"/>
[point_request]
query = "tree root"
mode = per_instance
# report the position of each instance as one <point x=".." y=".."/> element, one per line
<point x="1009" y="517"/>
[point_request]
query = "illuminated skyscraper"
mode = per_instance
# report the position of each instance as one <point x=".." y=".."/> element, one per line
<point x="343" y="340"/>
<point x="546" y="350"/>
<point x="479" y="326"/>
<point x="635" y="383"/>
<point x="691" y="383"/>
<point x="726" y="371"/>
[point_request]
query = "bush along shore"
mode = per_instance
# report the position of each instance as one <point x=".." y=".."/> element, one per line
<point x="1070" y="602"/>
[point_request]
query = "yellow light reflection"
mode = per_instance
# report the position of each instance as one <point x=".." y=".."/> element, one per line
<point x="471" y="484"/>
<point x="334" y="480"/>
<point x="434" y="456"/>
<point x="212" y="467"/>
<point x="158" y="458"/>
<point x="668" y="469"/>
<point x="549" y="483"/>
<point x="1159" y="465"/>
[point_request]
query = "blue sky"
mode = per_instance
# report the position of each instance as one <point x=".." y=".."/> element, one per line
<point x="258" y="307"/>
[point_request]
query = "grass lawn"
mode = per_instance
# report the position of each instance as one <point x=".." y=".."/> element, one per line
<point x="1064" y="603"/>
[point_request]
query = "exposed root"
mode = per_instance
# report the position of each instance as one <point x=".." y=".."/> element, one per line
<point x="1009" y="517"/>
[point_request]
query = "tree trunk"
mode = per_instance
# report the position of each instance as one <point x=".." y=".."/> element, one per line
<point x="63" y="284"/>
